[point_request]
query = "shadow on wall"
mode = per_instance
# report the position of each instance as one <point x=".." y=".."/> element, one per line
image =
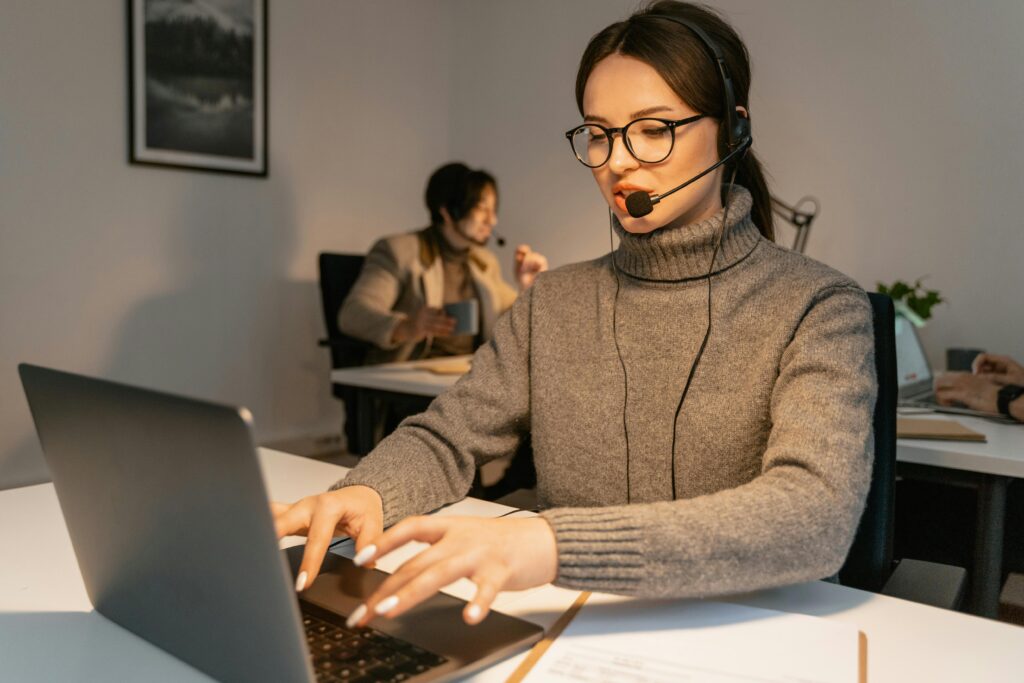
<point x="236" y="329"/>
<point x="239" y="330"/>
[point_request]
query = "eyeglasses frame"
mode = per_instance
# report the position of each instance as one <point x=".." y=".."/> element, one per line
<point x="610" y="132"/>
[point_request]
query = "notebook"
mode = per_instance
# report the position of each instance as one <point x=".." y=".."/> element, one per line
<point x="941" y="430"/>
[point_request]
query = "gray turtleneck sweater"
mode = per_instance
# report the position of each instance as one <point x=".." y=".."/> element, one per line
<point x="773" y="444"/>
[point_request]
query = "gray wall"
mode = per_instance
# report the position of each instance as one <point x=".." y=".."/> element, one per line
<point x="193" y="282"/>
<point x="902" y="117"/>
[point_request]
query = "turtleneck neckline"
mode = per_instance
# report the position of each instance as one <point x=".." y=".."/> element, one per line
<point x="684" y="252"/>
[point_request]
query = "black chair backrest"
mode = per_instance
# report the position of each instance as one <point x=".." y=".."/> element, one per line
<point x="869" y="563"/>
<point x="338" y="272"/>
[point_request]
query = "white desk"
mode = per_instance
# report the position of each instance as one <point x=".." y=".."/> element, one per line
<point x="1002" y="455"/>
<point x="985" y="467"/>
<point x="400" y="378"/>
<point x="48" y="631"/>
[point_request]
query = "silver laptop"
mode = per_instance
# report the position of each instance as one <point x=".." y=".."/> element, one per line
<point x="168" y="515"/>
<point x="915" y="377"/>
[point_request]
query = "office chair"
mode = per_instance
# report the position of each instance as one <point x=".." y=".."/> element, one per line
<point x="869" y="564"/>
<point x="338" y="273"/>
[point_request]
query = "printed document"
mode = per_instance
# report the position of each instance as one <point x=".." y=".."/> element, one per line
<point x="633" y="641"/>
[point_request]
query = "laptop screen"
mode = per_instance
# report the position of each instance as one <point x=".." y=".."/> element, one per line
<point x="914" y="373"/>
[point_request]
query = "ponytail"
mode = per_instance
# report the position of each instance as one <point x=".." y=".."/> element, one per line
<point x="750" y="175"/>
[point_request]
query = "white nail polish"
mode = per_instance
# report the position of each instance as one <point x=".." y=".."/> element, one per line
<point x="356" y="615"/>
<point x="473" y="612"/>
<point x="364" y="555"/>
<point x="386" y="605"/>
<point x="300" y="582"/>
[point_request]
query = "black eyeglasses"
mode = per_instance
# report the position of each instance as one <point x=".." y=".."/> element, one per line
<point x="648" y="140"/>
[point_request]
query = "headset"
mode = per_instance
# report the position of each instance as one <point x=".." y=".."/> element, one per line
<point x="737" y="128"/>
<point x="738" y="141"/>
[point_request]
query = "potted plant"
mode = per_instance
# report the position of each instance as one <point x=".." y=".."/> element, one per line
<point x="913" y="302"/>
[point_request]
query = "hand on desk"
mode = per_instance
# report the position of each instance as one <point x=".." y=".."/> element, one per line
<point x="355" y="511"/>
<point x="963" y="388"/>
<point x="1000" y="369"/>
<point x="495" y="554"/>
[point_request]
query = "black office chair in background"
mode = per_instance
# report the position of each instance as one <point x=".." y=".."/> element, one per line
<point x="338" y="273"/>
<point x="870" y="565"/>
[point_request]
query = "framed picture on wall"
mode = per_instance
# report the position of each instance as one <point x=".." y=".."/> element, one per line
<point x="198" y="84"/>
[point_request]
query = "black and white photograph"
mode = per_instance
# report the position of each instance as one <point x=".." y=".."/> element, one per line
<point x="198" y="84"/>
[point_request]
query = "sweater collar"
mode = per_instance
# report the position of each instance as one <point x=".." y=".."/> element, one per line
<point x="431" y="249"/>
<point x="684" y="252"/>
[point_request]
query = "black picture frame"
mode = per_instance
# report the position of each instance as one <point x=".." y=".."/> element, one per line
<point x="197" y="85"/>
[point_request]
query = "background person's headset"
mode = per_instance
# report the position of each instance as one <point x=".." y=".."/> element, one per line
<point x="738" y="141"/>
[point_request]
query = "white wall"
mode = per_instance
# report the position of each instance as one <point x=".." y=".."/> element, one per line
<point x="903" y="118"/>
<point x="192" y="282"/>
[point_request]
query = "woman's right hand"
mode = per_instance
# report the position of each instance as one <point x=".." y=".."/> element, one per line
<point x="428" y="322"/>
<point x="999" y="369"/>
<point x="355" y="511"/>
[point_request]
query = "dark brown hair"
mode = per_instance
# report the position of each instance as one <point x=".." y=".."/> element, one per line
<point x="458" y="189"/>
<point x="680" y="58"/>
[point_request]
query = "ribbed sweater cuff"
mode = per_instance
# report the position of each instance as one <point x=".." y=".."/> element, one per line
<point x="598" y="549"/>
<point x="389" y="492"/>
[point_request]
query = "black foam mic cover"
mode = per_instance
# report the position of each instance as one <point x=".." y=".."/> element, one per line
<point x="498" y="238"/>
<point x="639" y="204"/>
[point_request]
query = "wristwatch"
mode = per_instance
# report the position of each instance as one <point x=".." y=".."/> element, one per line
<point x="1007" y="395"/>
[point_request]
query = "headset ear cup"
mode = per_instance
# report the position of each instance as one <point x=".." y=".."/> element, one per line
<point x="742" y="131"/>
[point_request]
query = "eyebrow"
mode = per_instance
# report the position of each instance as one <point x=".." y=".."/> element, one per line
<point x="635" y="115"/>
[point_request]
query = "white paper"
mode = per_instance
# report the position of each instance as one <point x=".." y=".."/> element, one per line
<point x="632" y="641"/>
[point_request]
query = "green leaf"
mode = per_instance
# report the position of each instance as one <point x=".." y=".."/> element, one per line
<point x="913" y="301"/>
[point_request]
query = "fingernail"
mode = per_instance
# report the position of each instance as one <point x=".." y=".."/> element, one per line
<point x="364" y="555"/>
<point x="300" y="582"/>
<point x="386" y="605"/>
<point x="473" y="612"/>
<point x="356" y="616"/>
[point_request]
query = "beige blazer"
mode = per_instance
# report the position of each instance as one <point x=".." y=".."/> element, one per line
<point x="401" y="274"/>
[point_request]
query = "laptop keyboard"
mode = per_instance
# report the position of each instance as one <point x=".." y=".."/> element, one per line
<point x="362" y="655"/>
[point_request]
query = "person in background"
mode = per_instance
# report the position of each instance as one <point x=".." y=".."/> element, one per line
<point x="995" y="385"/>
<point x="397" y="302"/>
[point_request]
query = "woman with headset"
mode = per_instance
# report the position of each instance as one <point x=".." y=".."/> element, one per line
<point x="699" y="400"/>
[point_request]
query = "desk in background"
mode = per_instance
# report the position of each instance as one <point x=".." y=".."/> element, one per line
<point x="404" y="384"/>
<point x="987" y="468"/>
<point x="48" y="631"/>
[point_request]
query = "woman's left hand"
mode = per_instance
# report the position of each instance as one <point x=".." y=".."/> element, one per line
<point x="529" y="264"/>
<point x="973" y="391"/>
<point x="495" y="554"/>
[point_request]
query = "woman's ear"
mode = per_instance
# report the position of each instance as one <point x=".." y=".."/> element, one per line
<point x="743" y="112"/>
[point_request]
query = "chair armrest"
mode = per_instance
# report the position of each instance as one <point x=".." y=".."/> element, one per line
<point x="938" y="585"/>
